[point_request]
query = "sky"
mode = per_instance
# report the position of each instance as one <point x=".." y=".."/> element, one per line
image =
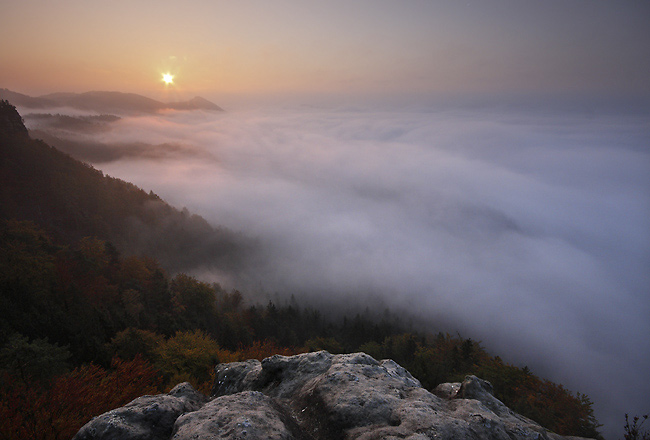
<point x="336" y="48"/>
<point x="375" y="150"/>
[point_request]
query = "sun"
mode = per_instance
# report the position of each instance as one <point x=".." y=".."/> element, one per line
<point x="168" y="78"/>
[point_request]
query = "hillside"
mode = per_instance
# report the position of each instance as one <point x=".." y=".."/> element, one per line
<point x="72" y="200"/>
<point x="105" y="102"/>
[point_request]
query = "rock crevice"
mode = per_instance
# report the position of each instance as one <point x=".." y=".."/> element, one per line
<point x="318" y="396"/>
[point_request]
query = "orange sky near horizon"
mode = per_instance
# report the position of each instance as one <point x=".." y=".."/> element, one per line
<point x="308" y="47"/>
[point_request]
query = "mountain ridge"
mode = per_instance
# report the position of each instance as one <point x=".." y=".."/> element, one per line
<point x="106" y="101"/>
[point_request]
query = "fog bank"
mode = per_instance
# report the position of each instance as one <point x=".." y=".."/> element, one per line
<point x="528" y="230"/>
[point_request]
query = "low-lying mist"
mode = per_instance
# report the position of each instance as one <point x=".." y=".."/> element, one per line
<point x="529" y="231"/>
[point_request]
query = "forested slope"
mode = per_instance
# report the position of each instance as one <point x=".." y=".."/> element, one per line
<point x="72" y="200"/>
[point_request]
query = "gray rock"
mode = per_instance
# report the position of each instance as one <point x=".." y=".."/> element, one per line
<point x="249" y="414"/>
<point x="235" y="377"/>
<point x="145" y="418"/>
<point x="318" y="396"/>
<point x="447" y="390"/>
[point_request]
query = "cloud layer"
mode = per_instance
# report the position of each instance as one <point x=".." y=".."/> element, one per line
<point x="530" y="231"/>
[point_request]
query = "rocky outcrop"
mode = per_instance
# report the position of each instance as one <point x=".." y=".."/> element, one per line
<point x="147" y="417"/>
<point x="317" y="396"/>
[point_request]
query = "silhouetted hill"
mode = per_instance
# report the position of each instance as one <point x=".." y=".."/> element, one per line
<point x="195" y="103"/>
<point x="11" y="124"/>
<point x="72" y="200"/>
<point x="25" y="100"/>
<point x="106" y="102"/>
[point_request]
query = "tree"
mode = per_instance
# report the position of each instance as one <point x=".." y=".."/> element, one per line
<point x="133" y="342"/>
<point x="197" y="300"/>
<point x="60" y="410"/>
<point x="33" y="361"/>
<point x="633" y="431"/>
<point x="26" y="265"/>
<point x="188" y="356"/>
<point x="322" y="343"/>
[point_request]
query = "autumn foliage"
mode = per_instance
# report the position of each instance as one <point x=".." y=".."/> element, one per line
<point x="114" y="328"/>
<point x="31" y="411"/>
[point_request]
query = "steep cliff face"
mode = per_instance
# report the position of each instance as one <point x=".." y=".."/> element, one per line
<point x="318" y="396"/>
<point x="11" y="124"/>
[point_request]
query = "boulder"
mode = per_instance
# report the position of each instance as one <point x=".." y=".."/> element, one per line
<point x="249" y="414"/>
<point x="145" y="418"/>
<point x="318" y="396"/>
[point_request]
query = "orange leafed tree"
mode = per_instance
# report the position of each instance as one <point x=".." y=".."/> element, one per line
<point x="31" y="412"/>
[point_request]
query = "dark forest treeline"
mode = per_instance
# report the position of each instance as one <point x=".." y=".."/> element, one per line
<point x="80" y="313"/>
<point x="72" y="200"/>
<point x="84" y="329"/>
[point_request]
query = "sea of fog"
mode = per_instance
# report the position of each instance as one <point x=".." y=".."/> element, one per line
<point x="528" y="230"/>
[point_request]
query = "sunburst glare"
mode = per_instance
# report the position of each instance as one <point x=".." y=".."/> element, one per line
<point x="168" y="78"/>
